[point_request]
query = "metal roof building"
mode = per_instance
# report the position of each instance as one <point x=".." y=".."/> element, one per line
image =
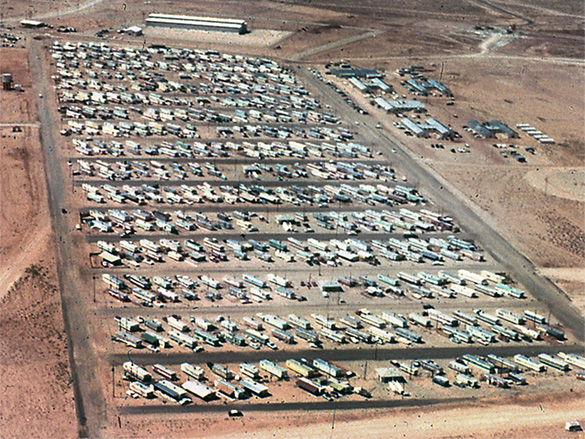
<point x="378" y="83"/>
<point x="440" y="87"/>
<point x="400" y="106"/>
<point x="425" y="86"/>
<point x="358" y="84"/>
<point x="197" y="23"/>
<point x="198" y="389"/>
<point x="416" y="86"/>
<point x="330" y="286"/>
<point x="413" y="127"/>
<point x="490" y="129"/>
<point x="500" y="127"/>
<point x="356" y="73"/>
<point x="383" y="104"/>
<point x="434" y="125"/>
<point x="254" y="387"/>
<point x="366" y="86"/>
<point x="134" y="31"/>
<point x="32" y="24"/>
<point x="480" y="130"/>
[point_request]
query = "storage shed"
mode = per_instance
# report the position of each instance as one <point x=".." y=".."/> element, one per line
<point x="386" y="374"/>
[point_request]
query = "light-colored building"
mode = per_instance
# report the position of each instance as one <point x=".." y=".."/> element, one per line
<point x="197" y="23"/>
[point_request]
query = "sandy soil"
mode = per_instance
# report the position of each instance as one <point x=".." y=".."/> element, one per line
<point x="571" y="281"/>
<point x="550" y="238"/>
<point x="534" y="417"/>
<point x="37" y="400"/>
<point x="21" y="193"/>
<point x="22" y="204"/>
<point x="257" y="37"/>
<point x="564" y="183"/>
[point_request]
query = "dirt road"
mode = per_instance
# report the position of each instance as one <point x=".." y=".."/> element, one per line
<point x="89" y="401"/>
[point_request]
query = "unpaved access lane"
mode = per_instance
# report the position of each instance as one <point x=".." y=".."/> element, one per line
<point x="89" y="400"/>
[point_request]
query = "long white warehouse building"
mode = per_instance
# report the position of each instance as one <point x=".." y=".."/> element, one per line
<point x="197" y="23"/>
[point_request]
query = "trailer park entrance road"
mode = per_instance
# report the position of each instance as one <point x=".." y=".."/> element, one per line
<point x="78" y="307"/>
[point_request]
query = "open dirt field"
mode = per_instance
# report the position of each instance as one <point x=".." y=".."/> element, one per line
<point x="22" y="183"/>
<point x="37" y="399"/>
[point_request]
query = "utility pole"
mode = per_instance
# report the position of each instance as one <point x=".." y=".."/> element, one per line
<point x="333" y="420"/>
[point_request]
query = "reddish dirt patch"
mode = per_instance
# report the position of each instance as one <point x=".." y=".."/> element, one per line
<point x="37" y="400"/>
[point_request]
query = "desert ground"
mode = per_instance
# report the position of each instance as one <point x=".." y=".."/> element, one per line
<point x="533" y="74"/>
<point x="486" y="419"/>
<point x="35" y="373"/>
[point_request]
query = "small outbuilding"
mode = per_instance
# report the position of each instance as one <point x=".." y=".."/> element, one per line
<point x="330" y="286"/>
<point x="133" y="31"/>
<point x="32" y="24"/>
<point x="387" y="374"/>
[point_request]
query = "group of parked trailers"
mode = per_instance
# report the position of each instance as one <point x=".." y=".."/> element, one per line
<point x="447" y="284"/>
<point x="495" y="370"/>
<point x="493" y="363"/>
<point x="146" y="387"/>
<point x="286" y="331"/>
<point x="320" y="252"/>
<point x="408" y="194"/>
<point x="448" y="323"/>
<point x="254" y="194"/>
<point x="326" y="142"/>
<point x="349" y="327"/>
<point x="131" y="169"/>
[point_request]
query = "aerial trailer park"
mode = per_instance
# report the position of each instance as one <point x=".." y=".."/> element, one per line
<point x="262" y="219"/>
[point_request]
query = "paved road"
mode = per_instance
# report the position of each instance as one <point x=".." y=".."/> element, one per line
<point x="237" y="311"/>
<point x="328" y="271"/>
<point x="436" y="188"/>
<point x="89" y="402"/>
<point x="372" y="353"/>
<point x="319" y="404"/>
